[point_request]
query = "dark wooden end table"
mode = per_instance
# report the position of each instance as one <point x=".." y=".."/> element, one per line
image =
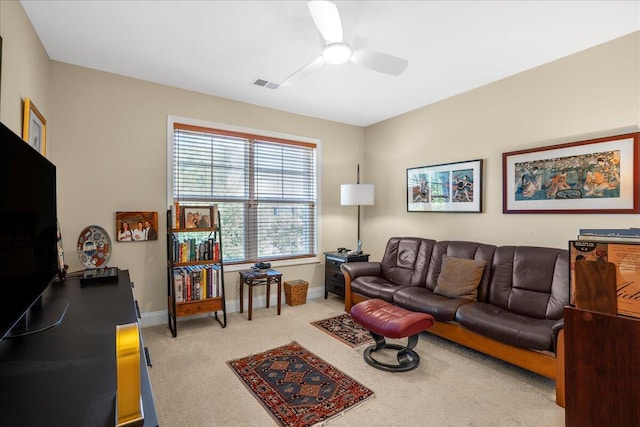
<point x="253" y="278"/>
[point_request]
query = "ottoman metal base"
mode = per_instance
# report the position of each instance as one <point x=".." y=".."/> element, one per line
<point x="407" y="358"/>
<point x="383" y="319"/>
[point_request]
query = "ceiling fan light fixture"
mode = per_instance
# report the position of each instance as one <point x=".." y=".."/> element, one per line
<point x="337" y="53"/>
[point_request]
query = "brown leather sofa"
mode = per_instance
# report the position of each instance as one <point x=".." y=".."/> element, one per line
<point x="511" y="308"/>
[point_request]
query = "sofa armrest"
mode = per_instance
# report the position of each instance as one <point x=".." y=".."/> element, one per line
<point x="356" y="269"/>
<point x="351" y="270"/>
<point x="555" y="329"/>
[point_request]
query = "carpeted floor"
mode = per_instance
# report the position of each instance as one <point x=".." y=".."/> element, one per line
<point x="453" y="386"/>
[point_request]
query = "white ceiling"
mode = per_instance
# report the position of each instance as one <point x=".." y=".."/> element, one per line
<point x="220" y="47"/>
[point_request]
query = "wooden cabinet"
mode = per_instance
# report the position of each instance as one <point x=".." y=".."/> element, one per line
<point x="195" y="275"/>
<point x="333" y="277"/>
<point x="66" y="375"/>
<point x="601" y="369"/>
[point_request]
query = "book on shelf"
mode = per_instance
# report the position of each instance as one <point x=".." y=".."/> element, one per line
<point x="628" y="235"/>
<point x="175" y="215"/>
<point x="610" y="232"/>
<point x="617" y="239"/>
<point x="187" y="288"/>
<point x="177" y="283"/>
<point x="203" y="284"/>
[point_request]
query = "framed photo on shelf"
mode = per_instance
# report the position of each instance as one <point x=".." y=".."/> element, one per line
<point x="136" y="226"/>
<point x="448" y="187"/>
<point x="197" y="216"/>
<point x="34" y="127"/>
<point x="592" y="176"/>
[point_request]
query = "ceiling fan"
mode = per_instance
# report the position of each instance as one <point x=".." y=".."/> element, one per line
<point x="336" y="51"/>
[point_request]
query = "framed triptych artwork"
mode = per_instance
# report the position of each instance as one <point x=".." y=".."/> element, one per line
<point x="447" y="187"/>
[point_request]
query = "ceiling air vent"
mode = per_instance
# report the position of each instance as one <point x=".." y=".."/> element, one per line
<point x="266" y="83"/>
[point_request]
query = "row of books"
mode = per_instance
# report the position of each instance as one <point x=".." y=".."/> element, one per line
<point x="191" y="250"/>
<point x="194" y="283"/>
<point x="628" y="235"/>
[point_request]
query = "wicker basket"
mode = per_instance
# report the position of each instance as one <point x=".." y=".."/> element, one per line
<point x="295" y="292"/>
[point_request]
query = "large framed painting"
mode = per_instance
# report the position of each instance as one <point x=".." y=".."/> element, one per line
<point x="447" y="187"/>
<point x="592" y="176"/>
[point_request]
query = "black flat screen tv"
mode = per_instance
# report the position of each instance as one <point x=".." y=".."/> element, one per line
<point x="28" y="229"/>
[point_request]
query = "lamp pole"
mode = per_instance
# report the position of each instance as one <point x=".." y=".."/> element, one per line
<point x="358" y="182"/>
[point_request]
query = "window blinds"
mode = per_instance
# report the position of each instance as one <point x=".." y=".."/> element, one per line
<point x="265" y="189"/>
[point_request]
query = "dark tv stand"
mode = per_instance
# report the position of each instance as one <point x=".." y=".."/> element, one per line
<point x="66" y="375"/>
<point x="40" y="317"/>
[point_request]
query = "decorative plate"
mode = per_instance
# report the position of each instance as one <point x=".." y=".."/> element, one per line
<point x="94" y="247"/>
<point x="62" y="268"/>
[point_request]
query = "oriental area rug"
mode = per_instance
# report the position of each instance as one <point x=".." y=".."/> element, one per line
<point x="345" y="329"/>
<point x="297" y="387"/>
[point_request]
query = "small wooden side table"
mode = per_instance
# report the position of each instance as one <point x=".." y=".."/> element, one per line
<point x="253" y="278"/>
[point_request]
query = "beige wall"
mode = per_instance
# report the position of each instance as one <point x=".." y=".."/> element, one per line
<point x="107" y="135"/>
<point x="110" y="148"/>
<point x="25" y="66"/>
<point x="588" y="94"/>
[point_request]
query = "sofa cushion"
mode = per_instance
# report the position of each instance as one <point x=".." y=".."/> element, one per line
<point x="460" y="249"/>
<point x="406" y="259"/>
<point x="417" y="298"/>
<point x="460" y="277"/>
<point x="505" y="326"/>
<point x="530" y="281"/>
<point x="375" y="287"/>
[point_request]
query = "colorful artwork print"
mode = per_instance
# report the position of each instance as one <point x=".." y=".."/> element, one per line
<point x="420" y="188"/>
<point x="440" y="187"/>
<point x="594" y="175"/>
<point x="462" y="186"/>
<point x="451" y="187"/>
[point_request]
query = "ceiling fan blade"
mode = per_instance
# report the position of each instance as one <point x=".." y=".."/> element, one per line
<point x="327" y="19"/>
<point x="303" y="72"/>
<point x="381" y="62"/>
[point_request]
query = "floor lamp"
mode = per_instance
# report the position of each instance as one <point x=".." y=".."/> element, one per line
<point x="356" y="194"/>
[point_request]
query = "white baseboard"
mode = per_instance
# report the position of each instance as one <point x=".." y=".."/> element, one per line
<point x="154" y="318"/>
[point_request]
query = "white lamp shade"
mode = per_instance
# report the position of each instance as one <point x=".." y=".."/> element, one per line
<point x="356" y="194"/>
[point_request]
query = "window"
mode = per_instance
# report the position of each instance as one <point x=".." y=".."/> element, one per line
<point x="265" y="189"/>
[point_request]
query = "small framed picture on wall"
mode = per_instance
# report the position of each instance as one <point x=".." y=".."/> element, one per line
<point x="34" y="127"/>
<point x="136" y="226"/>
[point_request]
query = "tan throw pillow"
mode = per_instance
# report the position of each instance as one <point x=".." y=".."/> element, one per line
<point x="459" y="278"/>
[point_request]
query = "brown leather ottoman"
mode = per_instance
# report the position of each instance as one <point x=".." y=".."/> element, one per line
<point x="383" y="319"/>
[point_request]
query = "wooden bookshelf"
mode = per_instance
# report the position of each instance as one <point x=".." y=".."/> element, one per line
<point x="199" y="297"/>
